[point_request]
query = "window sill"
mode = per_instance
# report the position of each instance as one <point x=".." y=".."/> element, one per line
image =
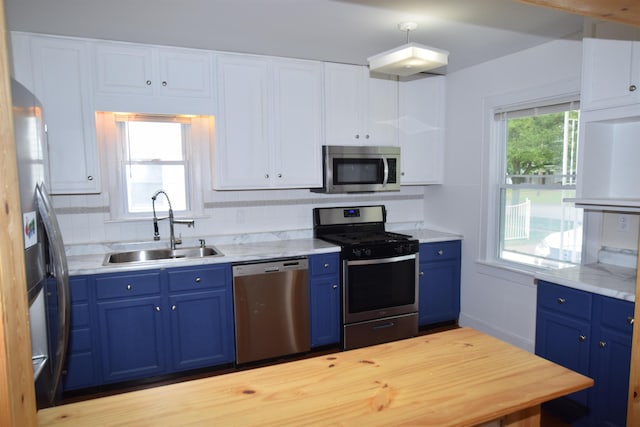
<point x="506" y="271"/>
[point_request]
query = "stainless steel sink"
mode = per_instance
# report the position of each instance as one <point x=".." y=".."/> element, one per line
<point x="161" y="254"/>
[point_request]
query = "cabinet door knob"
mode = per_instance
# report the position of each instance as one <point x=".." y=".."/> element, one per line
<point x="279" y="175"/>
<point x="157" y="308"/>
<point x="90" y="177"/>
<point x="326" y="265"/>
<point x="561" y="300"/>
<point x="630" y="320"/>
<point x="367" y="136"/>
<point x="129" y="286"/>
<point x="164" y="83"/>
<point x="173" y="307"/>
<point x="335" y="286"/>
<point x="440" y="252"/>
<point x="421" y="274"/>
<point x="148" y="82"/>
<point x="198" y="280"/>
<point x="632" y="88"/>
<point x="582" y="338"/>
<point x="602" y="344"/>
<point x="357" y="136"/>
<point x="266" y="175"/>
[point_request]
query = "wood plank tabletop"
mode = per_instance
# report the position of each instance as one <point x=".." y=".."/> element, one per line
<point x="459" y="377"/>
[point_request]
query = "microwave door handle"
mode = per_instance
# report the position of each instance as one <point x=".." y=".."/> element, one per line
<point x="386" y="172"/>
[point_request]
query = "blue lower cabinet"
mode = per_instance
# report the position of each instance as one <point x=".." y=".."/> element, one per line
<point x="82" y="366"/>
<point x="590" y="334"/>
<point x="324" y="299"/>
<point x="439" y="282"/>
<point x="611" y="360"/>
<point x="157" y="322"/>
<point x="132" y="338"/>
<point x="201" y="329"/>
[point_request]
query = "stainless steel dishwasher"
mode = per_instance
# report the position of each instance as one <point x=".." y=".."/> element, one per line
<point x="271" y="309"/>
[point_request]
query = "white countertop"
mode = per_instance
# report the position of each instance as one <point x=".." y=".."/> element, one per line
<point x="89" y="259"/>
<point x="603" y="279"/>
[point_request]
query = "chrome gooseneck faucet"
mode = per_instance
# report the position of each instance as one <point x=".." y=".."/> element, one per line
<point x="156" y="234"/>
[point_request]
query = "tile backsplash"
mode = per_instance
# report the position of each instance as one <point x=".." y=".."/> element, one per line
<point x="87" y="218"/>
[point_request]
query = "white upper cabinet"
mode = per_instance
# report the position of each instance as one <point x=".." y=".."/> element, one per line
<point x="359" y="109"/>
<point x="61" y="80"/>
<point x="610" y="73"/>
<point x="608" y="173"/>
<point x="421" y="130"/>
<point x="142" y="78"/>
<point x="268" y="123"/>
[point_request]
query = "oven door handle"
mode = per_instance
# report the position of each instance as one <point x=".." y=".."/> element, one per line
<point x="381" y="260"/>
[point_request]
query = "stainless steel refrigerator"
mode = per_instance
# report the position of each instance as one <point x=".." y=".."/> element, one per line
<point x="44" y="256"/>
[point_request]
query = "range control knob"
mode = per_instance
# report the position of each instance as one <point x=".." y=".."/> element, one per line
<point x="357" y="252"/>
<point x="367" y="252"/>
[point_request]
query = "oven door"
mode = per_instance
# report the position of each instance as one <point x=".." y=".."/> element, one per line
<point x="377" y="288"/>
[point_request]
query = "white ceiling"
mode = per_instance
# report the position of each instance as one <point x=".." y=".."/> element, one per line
<point x="347" y="31"/>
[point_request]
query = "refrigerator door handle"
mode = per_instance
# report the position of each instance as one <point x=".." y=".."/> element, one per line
<point x="61" y="273"/>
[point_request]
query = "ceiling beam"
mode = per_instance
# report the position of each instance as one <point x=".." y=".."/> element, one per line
<point x="620" y="11"/>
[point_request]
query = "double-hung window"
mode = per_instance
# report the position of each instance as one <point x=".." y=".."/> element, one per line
<point x="538" y="146"/>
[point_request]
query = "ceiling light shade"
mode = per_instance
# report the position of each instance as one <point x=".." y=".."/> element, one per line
<point x="408" y="59"/>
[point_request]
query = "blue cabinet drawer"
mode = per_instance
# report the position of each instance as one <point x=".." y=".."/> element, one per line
<point x="617" y="314"/>
<point x="193" y="279"/>
<point x="564" y="300"/>
<point x="127" y="285"/>
<point x="440" y="250"/>
<point x="325" y="263"/>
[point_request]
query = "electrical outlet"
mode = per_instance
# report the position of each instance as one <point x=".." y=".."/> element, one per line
<point x="623" y="223"/>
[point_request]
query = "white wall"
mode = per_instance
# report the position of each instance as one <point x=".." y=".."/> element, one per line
<point x="494" y="300"/>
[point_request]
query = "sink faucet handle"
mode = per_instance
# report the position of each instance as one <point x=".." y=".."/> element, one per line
<point x="156" y="233"/>
<point x="202" y="243"/>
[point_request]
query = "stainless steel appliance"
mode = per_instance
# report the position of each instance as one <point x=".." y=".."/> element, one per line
<point x="354" y="169"/>
<point x="271" y="309"/>
<point x="45" y="261"/>
<point x="379" y="274"/>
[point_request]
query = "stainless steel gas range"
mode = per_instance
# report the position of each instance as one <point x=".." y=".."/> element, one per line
<point x="379" y="274"/>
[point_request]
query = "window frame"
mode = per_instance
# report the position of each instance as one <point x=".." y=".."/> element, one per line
<point x="196" y="133"/>
<point x="494" y="159"/>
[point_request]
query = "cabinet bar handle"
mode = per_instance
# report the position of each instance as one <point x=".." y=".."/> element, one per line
<point x="561" y="300"/>
<point x="582" y="338"/>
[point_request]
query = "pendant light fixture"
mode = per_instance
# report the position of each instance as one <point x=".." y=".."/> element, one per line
<point x="408" y="59"/>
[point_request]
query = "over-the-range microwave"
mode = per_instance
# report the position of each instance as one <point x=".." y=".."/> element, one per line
<point x="357" y="169"/>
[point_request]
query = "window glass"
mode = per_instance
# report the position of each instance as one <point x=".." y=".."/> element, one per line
<point x="540" y="150"/>
<point x="154" y="159"/>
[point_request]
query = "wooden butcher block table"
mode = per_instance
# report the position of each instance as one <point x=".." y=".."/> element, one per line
<point x="459" y="377"/>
